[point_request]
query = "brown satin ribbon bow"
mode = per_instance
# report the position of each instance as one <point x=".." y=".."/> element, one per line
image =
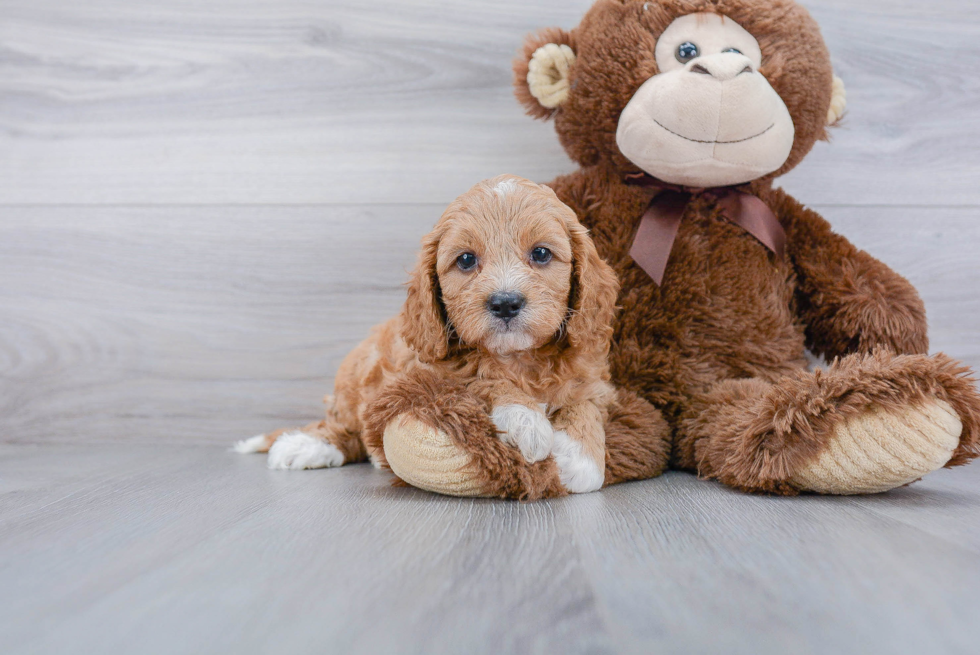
<point x="658" y="228"/>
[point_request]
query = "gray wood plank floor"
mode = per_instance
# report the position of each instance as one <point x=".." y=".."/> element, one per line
<point x="139" y="548"/>
<point x="204" y="206"/>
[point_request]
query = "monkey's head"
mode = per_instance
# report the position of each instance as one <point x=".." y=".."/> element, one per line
<point x="700" y="93"/>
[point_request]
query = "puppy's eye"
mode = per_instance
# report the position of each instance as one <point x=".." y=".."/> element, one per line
<point x="541" y="255"/>
<point x="686" y="52"/>
<point x="466" y="261"/>
<point x="732" y="50"/>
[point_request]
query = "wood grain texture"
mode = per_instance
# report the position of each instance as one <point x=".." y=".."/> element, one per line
<point x="249" y="101"/>
<point x="233" y="318"/>
<point x="209" y="324"/>
<point x="138" y="549"/>
<point x="204" y="206"/>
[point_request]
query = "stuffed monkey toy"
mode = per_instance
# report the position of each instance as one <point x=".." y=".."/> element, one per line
<point x="681" y="114"/>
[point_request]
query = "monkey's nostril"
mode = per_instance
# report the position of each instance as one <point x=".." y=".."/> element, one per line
<point x="506" y="304"/>
<point x="698" y="68"/>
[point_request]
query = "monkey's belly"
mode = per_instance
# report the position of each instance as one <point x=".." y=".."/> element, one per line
<point x="725" y="310"/>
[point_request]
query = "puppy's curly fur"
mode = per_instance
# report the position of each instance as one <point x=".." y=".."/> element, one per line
<point x="540" y="373"/>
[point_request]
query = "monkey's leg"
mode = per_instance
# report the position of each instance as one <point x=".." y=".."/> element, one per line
<point x="637" y="440"/>
<point x="866" y="424"/>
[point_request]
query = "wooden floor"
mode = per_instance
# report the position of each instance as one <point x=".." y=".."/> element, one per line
<point x="204" y="206"/>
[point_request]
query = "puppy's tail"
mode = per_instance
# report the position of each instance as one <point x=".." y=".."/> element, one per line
<point x="258" y="444"/>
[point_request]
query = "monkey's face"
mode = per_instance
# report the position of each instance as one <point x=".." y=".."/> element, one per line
<point x="709" y="118"/>
<point x="700" y="93"/>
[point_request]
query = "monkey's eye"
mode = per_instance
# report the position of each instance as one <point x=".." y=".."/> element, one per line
<point x="541" y="255"/>
<point x="466" y="261"/>
<point x="732" y="50"/>
<point x="687" y="51"/>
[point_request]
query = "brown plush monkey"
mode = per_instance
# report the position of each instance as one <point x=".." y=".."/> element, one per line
<point x="681" y="113"/>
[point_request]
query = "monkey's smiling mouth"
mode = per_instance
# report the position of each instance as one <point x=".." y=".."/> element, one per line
<point x="748" y="138"/>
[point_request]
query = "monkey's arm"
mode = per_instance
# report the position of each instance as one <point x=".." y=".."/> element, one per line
<point x="849" y="301"/>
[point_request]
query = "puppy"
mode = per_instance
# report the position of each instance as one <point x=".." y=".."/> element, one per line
<point x="509" y="297"/>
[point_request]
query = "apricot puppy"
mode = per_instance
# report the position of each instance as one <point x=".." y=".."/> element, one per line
<point x="508" y="297"/>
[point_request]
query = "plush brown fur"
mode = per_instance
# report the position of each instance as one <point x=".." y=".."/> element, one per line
<point x="719" y="347"/>
<point x="637" y="440"/>
<point x="750" y="434"/>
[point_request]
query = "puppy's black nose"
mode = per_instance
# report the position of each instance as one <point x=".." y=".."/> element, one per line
<point x="506" y="304"/>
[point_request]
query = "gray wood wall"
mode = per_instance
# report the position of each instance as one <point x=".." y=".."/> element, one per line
<point x="205" y="205"/>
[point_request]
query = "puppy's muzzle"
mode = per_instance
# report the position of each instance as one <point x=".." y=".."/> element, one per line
<point x="506" y="304"/>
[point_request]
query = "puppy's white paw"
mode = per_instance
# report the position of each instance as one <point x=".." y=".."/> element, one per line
<point x="298" y="450"/>
<point x="525" y="428"/>
<point x="578" y="472"/>
<point x="257" y="444"/>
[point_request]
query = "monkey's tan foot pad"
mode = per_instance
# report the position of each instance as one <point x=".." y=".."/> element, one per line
<point x="427" y="458"/>
<point x="880" y="449"/>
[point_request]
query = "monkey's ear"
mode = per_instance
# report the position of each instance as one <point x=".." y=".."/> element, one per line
<point x="838" y="103"/>
<point x="542" y="71"/>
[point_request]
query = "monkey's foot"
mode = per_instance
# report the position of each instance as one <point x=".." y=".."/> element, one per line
<point x="429" y="459"/>
<point x="881" y="449"/>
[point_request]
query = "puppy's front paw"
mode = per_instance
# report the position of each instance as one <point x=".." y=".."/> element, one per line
<point x="579" y="473"/>
<point x="525" y="428"/>
<point x="298" y="450"/>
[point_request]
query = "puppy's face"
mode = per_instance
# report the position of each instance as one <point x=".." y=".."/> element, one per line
<point x="508" y="267"/>
<point x="504" y="266"/>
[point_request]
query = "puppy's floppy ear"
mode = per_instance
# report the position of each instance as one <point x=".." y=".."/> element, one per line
<point x="423" y="315"/>
<point x="542" y="71"/>
<point x="592" y="300"/>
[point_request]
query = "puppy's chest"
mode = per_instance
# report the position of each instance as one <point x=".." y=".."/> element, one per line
<point x="559" y="394"/>
<point x="544" y="383"/>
